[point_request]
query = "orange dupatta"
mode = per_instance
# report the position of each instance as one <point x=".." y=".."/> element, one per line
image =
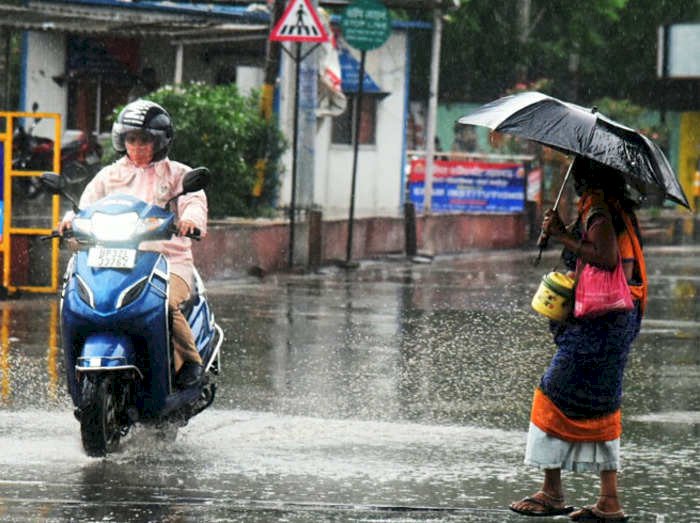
<point x="547" y="416"/>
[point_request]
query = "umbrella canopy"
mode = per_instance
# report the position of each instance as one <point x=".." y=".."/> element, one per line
<point x="573" y="129"/>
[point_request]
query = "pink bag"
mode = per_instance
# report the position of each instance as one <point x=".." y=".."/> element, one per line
<point x="599" y="291"/>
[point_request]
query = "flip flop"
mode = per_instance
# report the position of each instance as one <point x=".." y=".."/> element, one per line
<point x="592" y="514"/>
<point x="547" y="508"/>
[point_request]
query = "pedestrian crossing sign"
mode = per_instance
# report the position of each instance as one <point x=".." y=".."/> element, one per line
<point x="299" y="23"/>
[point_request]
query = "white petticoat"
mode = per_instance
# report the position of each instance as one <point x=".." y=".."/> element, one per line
<point x="548" y="452"/>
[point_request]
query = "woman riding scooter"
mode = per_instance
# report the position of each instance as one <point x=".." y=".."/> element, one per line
<point x="143" y="133"/>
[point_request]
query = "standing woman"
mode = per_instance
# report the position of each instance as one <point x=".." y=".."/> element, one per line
<point x="575" y="422"/>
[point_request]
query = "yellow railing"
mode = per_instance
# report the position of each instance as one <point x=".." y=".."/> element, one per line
<point x="8" y="122"/>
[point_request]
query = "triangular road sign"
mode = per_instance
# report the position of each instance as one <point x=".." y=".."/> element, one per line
<point x="299" y="23"/>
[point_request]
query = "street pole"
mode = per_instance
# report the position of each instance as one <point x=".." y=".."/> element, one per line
<point x="8" y="76"/>
<point x="295" y="139"/>
<point x="432" y="112"/>
<point x="356" y="144"/>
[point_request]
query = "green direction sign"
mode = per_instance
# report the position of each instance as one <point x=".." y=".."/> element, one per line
<point x="366" y="24"/>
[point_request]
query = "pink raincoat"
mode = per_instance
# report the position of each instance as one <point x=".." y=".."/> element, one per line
<point x="155" y="184"/>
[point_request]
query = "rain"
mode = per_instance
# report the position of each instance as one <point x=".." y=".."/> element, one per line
<point x="394" y="385"/>
<point x="396" y="392"/>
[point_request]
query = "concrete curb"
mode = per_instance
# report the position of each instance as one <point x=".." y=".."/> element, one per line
<point x="236" y="247"/>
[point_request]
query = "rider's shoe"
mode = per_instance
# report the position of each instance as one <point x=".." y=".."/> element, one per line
<point x="190" y="374"/>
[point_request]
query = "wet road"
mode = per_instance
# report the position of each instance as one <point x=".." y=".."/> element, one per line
<point x="397" y="392"/>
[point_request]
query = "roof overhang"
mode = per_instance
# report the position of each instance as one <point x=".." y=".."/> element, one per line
<point x="185" y="24"/>
<point x="191" y="22"/>
<point x="393" y="4"/>
<point x="401" y="4"/>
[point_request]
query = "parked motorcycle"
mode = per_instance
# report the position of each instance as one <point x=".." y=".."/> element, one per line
<point x="114" y="321"/>
<point x="81" y="156"/>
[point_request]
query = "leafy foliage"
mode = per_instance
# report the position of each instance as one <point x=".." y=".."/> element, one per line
<point x="585" y="50"/>
<point x="635" y="116"/>
<point x="10" y="47"/>
<point x="218" y="128"/>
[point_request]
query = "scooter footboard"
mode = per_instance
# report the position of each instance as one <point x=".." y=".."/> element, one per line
<point x="107" y="351"/>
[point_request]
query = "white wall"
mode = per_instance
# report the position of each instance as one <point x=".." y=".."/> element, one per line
<point x="378" y="184"/>
<point x="378" y="187"/>
<point x="249" y="78"/>
<point x="46" y="58"/>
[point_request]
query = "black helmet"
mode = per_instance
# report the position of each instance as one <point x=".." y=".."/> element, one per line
<point x="142" y="115"/>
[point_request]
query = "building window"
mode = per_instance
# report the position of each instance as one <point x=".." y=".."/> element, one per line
<point x="343" y="124"/>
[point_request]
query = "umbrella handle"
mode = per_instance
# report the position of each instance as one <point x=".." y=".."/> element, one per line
<point x="542" y="244"/>
<point x="543" y="239"/>
<point x="563" y="184"/>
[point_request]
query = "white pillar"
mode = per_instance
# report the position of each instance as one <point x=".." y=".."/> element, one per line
<point x="432" y="110"/>
<point x="98" y="106"/>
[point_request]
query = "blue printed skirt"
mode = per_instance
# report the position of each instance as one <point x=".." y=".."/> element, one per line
<point x="584" y="379"/>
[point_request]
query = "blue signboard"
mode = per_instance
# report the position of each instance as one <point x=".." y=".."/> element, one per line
<point x="350" y="74"/>
<point x="469" y="186"/>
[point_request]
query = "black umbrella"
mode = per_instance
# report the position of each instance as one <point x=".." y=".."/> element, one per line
<point x="573" y="129"/>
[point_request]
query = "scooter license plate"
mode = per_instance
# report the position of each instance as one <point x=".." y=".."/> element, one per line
<point x="111" y="258"/>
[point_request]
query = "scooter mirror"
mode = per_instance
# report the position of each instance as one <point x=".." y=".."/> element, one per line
<point x="56" y="184"/>
<point x="193" y="181"/>
<point x="35" y="106"/>
<point x="196" y="180"/>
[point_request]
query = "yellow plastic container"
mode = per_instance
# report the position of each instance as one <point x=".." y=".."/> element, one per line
<point x="555" y="296"/>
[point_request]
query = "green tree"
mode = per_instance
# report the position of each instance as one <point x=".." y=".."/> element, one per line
<point x="631" y="49"/>
<point x="10" y="47"/>
<point x="218" y="128"/>
<point x="586" y="50"/>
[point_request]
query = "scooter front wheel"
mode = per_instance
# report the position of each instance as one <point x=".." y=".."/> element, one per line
<point x="100" y="428"/>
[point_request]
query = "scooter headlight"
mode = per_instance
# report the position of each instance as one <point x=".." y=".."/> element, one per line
<point x="114" y="227"/>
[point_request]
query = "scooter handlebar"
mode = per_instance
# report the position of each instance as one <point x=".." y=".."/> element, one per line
<point x="68" y="233"/>
<point x="195" y="235"/>
<point x="54" y="234"/>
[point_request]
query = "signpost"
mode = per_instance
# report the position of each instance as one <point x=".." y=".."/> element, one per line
<point x="366" y="25"/>
<point x="299" y="23"/>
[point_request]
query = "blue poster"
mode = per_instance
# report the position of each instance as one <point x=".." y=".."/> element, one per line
<point x="470" y="186"/>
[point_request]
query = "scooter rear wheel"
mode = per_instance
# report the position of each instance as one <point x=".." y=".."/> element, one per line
<point x="100" y="428"/>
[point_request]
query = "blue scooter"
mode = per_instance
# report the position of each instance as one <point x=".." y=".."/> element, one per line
<point x="115" y="328"/>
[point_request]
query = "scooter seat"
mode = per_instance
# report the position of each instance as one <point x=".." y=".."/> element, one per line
<point x="187" y="306"/>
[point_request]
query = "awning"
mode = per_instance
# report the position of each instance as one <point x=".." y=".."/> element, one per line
<point x="350" y="75"/>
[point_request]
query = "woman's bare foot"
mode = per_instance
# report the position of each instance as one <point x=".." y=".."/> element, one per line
<point x="608" y="503"/>
<point x="541" y="503"/>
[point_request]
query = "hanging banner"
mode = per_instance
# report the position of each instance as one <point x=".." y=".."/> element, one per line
<point x="470" y="186"/>
<point x="331" y="98"/>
